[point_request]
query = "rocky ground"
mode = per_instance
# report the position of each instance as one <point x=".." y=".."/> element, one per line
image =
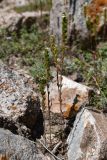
<point x="21" y="114"/>
<point x="28" y="132"/>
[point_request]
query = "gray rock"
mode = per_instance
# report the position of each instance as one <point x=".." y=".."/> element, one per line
<point x="15" y="2"/>
<point x="13" y="21"/>
<point x="77" y="20"/>
<point x="75" y="15"/>
<point x="19" y="103"/>
<point x="58" y="8"/>
<point x="88" y="139"/>
<point x="15" y="147"/>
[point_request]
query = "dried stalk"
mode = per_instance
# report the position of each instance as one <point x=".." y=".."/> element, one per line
<point x="42" y="88"/>
<point x="56" y="147"/>
<point x="57" y="158"/>
<point x="48" y="75"/>
<point x="49" y="113"/>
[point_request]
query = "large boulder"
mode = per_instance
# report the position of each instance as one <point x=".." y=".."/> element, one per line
<point x="88" y="138"/>
<point x="19" y="103"/>
<point x="14" y="147"/>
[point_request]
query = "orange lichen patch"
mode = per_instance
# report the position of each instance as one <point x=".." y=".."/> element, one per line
<point x="94" y="11"/>
<point x="77" y="107"/>
<point x="4" y="86"/>
<point x="3" y="157"/>
<point x="66" y="114"/>
<point x="74" y="108"/>
<point x="101" y="2"/>
<point x="70" y="110"/>
<point x="13" y="107"/>
<point x="96" y="7"/>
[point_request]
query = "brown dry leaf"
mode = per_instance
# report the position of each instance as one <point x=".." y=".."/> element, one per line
<point x="70" y="109"/>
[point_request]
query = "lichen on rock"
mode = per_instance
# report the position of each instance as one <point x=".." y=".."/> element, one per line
<point x="19" y="103"/>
